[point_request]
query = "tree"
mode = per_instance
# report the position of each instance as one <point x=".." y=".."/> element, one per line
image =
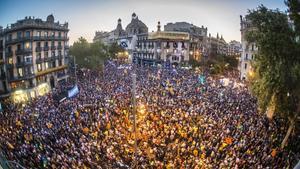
<point x="89" y="55"/>
<point x="276" y="65"/>
<point x="114" y="49"/>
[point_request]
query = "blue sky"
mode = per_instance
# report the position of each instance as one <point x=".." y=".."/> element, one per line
<point x="87" y="16"/>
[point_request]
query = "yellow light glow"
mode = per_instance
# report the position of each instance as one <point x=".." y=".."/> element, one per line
<point x="27" y="45"/>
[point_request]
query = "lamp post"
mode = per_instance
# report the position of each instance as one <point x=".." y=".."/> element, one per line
<point x="134" y="117"/>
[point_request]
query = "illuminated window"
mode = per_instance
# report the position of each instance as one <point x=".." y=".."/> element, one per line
<point x="20" y="72"/>
<point x="46" y="65"/>
<point x="39" y="67"/>
<point x="27" y="45"/>
<point x="46" y="34"/>
<point x="10" y="61"/>
<point x="39" y="33"/>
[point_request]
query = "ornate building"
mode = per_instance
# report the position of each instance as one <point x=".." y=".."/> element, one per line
<point x="234" y="48"/>
<point x="162" y="47"/>
<point x="248" y="49"/>
<point x="136" y="26"/>
<point x="112" y="36"/>
<point x="198" y="37"/>
<point x="34" y="58"/>
<point x="216" y="46"/>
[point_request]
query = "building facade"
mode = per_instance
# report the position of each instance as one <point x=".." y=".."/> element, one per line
<point x="162" y="47"/>
<point x="35" y="57"/>
<point x="198" y="37"/>
<point x="216" y="45"/>
<point x="248" y="49"/>
<point x="234" y="48"/>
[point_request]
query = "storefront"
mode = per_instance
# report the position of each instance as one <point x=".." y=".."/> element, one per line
<point x="28" y="94"/>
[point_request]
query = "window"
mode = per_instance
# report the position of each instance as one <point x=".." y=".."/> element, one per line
<point x="28" y="59"/>
<point x="39" y="67"/>
<point x="20" y="72"/>
<point x="46" y="55"/>
<point x="59" y="34"/>
<point x="46" y="44"/>
<point x="46" y="34"/>
<point x="245" y="65"/>
<point x="9" y="37"/>
<point x="38" y="44"/>
<point x="10" y="60"/>
<point x="39" y="55"/>
<point x="59" y="43"/>
<point x="52" y="34"/>
<point x="27" y="45"/>
<point x="19" y="47"/>
<point x="53" y="53"/>
<point x="59" y="62"/>
<point x="59" y="53"/>
<point x="46" y="65"/>
<point x="39" y="33"/>
<point x="19" y="35"/>
<point x="246" y="58"/>
<point x="27" y="34"/>
<point x="53" y="64"/>
<point x="52" y="43"/>
<point x="252" y="47"/>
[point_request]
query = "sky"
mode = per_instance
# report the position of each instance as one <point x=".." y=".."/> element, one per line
<point x="87" y="16"/>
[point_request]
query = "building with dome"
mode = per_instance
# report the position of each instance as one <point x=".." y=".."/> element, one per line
<point x="34" y="57"/>
<point x="136" y="26"/>
<point x="112" y="36"/>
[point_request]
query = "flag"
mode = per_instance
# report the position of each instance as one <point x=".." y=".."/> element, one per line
<point x="274" y="152"/>
<point x="228" y="140"/>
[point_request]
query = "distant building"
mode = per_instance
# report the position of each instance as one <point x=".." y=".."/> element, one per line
<point x="248" y="49"/>
<point x="112" y="36"/>
<point x="234" y="48"/>
<point x="198" y="37"/>
<point x="216" y="45"/>
<point x="162" y="47"/>
<point x="34" y="57"/>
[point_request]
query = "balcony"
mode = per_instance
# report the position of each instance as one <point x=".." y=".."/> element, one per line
<point x="39" y="60"/>
<point x="53" y="47"/>
<point x="19" y="78"/>
<point x="9" y="54"/>
<point x="46" y="48"/>
<point x="22" y="64"/>
<point x="17" y="40"/>
<point x="59" y="47"/>
<point x="38" y="49"/>
<point x="67" y="47"/>
<point x="47" y="59"/>
<point x="23" y="51"/>
<point x="8" y="66"/>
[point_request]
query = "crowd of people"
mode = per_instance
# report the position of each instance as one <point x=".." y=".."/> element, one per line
<point x="180" y="123"/>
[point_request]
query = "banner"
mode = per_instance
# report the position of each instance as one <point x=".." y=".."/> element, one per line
<point x="74" y="91"/>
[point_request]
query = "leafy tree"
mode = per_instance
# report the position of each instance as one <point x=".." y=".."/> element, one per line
<point x="276" y="65"/>
<point x="89" y="55"/>
<point x="113" y="49"/>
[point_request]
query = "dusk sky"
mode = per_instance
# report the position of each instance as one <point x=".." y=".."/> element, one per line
<point x="87" y="16"/>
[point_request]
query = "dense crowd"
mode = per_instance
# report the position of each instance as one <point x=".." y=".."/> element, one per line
<point x="181" y="123"/>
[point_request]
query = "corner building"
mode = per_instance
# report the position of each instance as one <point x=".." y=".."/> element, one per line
<point x="35" y="57"/>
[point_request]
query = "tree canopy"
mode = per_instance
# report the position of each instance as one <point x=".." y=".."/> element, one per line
<point x="277" y="63"/>
<point x="93" y="55"/>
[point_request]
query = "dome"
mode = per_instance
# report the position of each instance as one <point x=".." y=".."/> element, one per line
<point x="136" y="26"/>
<point x="50" y="18"/>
